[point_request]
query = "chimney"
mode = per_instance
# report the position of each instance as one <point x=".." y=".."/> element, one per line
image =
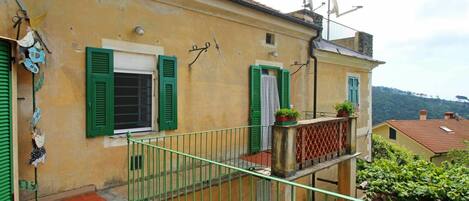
<point x="449" y="115"/>
<point x="364" y="43"/>
<point x="423" y="115"/>
<point x="308" y="16"/>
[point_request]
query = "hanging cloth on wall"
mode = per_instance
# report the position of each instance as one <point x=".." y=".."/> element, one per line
<point x="270" y="103"/>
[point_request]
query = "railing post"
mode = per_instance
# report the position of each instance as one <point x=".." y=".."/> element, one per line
<point x="284" y="150"/>
<point x="347" y="168"/>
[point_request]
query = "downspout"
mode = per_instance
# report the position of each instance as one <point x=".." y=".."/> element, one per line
<point x="315" y="63"/>
<point x="315" y="92"/>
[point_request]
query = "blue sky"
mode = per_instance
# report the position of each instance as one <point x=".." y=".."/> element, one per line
<point x="425" y="43"/>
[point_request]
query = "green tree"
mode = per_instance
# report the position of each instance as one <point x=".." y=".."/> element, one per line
<point x="396" y="174"/>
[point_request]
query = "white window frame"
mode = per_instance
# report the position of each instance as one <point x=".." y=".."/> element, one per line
<point x="137" y="48"/>
<point x="153" y="102"/>
<point x="357" y="76"/>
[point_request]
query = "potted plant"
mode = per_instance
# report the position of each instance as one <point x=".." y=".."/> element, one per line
<point x="344" y="109"/>
<point x="286" y="116"/>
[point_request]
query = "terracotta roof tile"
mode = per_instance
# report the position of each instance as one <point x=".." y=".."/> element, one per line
<point x="429" y="134"/>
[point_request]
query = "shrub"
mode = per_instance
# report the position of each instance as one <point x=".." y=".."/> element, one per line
<point x="345" y="106"/>
<point x="396" y="174"/>
<point x="291" y="113"/>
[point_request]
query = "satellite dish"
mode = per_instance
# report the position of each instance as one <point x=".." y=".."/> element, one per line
<point x="308" y="4"/>
<point x="335" y="8"/>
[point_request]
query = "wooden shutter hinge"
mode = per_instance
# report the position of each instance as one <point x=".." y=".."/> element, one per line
<point x="12" y="61"/>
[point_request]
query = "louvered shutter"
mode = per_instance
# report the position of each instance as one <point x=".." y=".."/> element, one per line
<point x="353" y="90"/>
<point x="6" y="162"/>
<point x="255" y="109"/>
<point x="283" y="78"/>
<point x="99" y="92"/>
<point x="356" y="88"/>
<point x="167" y="74"/>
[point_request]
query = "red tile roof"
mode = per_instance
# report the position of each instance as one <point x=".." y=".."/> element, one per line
<point x="429" y="134"/>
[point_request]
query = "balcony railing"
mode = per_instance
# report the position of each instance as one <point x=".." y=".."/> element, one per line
<point x="208" y="165"/>
<point x="326" y="141"/>
<point x="318" y="141"/>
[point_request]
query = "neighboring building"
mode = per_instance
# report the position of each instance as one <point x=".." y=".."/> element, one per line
<point x="429" y="138"/>
<point x="133" y="66"/>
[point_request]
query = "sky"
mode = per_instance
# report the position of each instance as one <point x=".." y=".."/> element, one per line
<point x="425" y="43"/>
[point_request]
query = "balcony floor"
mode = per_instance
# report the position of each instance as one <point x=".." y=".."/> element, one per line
<point x="262" y="158"/>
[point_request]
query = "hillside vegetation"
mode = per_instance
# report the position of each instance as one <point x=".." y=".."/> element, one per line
<point x="390" y="103"/>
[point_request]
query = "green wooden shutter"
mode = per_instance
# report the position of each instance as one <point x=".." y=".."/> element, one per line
<point x="167" y="74"/>
<point x="99" y="92"/>
<point x="283" y="78"/>
<point x="6" y="159"/>
<point x="255" y="109"/>
<point x="350" y="89"/>
<point x="353" y="90"/>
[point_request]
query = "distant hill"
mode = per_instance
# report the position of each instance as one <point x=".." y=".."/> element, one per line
<point x="390" y="103"/>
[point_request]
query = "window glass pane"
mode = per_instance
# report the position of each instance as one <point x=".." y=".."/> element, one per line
<point x="392" y="133"/>
<point x="132" y="99"/>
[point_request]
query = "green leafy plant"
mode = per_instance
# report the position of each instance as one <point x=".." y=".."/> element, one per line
<point x="345" y="106"/>
<point x="285" y="112"/>
<point x="397" y="174"/>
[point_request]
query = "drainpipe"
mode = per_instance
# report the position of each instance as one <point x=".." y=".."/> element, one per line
<point x="315" y="63"/>
<point x="315" y="92"/>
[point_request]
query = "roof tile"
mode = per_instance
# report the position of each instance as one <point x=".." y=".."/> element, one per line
<point x="429" y="134"/>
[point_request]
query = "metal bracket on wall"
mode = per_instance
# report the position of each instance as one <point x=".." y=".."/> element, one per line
<point x="202" y="49"/>
<point x="299" y="64"/>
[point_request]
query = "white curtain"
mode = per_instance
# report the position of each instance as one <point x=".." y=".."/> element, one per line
<point x="269" y="105"/>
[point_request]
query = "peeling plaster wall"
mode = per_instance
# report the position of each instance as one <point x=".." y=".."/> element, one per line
<point x="213" y="93"/>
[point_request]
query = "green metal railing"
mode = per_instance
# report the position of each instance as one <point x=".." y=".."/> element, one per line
<point x="227" y="145"/>
<point x="179" y="167"/>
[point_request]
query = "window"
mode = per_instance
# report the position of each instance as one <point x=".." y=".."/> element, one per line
<point x="121" y="94"/>
<point x="353" y="90"/>
<point x="392" y="133"/>
<point x="270" y="38"/>
<point x="132" y="101"/>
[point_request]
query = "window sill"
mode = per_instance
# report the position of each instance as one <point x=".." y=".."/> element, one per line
<point x="119" y="140"/>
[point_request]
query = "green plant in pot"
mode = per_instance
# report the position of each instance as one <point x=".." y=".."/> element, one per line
<point x="286" y="116"/>
<point x="344" y="109"/>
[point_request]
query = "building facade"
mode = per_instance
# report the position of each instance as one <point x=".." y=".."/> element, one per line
<point x="157" y="49"/>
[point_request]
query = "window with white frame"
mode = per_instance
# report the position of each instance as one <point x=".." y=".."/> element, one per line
<point x="133" y="92"/>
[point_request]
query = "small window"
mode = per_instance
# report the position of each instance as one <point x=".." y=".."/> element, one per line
<point x="132" y="102"/>
<point x="270" y="38"/>
<point x="353" y="90"/>
<point x="392" y="133"/>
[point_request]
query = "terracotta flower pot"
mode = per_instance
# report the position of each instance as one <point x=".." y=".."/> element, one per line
<point x="285" y="121"/>
<point x="281" y="119"/>
<point x="342" y="113"/>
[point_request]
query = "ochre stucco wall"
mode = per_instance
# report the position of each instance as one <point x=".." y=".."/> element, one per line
<point x="404" y="141"/>
<point x="214" y="93"/>
<point x="332" y="87"/>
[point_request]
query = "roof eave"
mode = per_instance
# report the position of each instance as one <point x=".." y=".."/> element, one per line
<point x="277" y="14"/>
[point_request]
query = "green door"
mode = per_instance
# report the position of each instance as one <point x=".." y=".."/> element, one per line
<point x="255" y="109"/>
<point x="6" y="165"/>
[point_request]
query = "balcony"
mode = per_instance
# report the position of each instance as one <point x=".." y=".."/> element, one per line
<point x="218" y="164"/>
